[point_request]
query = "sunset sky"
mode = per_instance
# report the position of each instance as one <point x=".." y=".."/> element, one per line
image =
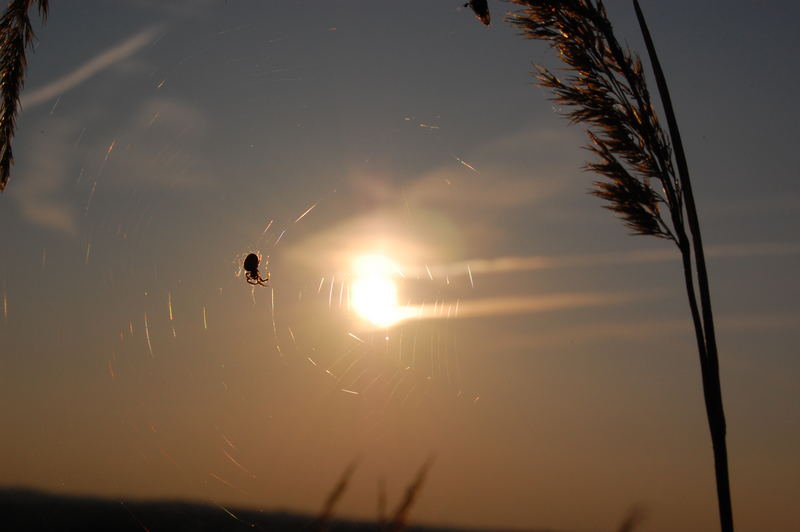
<point x="371" y="150"/>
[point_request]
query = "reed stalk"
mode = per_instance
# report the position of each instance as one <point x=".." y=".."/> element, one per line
<point x="606" y="90"/>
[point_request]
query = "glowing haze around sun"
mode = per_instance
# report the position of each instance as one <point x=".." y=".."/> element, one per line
<point x="374" y="291"/>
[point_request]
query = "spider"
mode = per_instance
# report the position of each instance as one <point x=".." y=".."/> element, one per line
<point x="251" y="271"/>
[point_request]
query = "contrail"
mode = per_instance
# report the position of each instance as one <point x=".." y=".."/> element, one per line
<point x="100" y="62"/>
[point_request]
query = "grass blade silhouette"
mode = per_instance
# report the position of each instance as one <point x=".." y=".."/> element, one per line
<point x="400" y="520"/>
<point x="633" y="519"/>
<point x="322" y="521"/>
<point x="381" y="503"/>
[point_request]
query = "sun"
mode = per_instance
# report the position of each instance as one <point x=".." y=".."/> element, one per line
<point x="373" y="293"/>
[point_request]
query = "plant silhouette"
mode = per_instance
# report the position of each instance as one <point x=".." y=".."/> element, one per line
<point x="606" y="90"/>
<point x="16" y="35"/>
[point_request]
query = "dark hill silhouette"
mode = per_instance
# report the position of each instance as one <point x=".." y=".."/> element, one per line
<point x="25" y="510"/>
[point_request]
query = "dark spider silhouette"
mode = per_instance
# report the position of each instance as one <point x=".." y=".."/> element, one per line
<point x="251" y="271"/>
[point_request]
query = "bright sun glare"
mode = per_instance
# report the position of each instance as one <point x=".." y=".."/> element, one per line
<point x="374" y="292"/>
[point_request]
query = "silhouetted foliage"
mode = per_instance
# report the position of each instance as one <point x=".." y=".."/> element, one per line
<point x="606" y="89"/>
<point x="16" y="35"/>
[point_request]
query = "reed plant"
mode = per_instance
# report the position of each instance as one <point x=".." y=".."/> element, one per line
<point x="646" y="176"/>
<point x="16" y="35"/>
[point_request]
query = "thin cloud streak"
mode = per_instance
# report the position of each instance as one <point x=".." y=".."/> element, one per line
<point x="100" y="62"/>
<point x="504" y="306"/>
<point x="543" y="262"/>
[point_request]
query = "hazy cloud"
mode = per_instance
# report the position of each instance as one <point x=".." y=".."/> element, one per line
<point x="632" y="330"/>
<point x="487" y="179"/>
<point x="164" y="146"/>
<point x="41" y="191"/>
